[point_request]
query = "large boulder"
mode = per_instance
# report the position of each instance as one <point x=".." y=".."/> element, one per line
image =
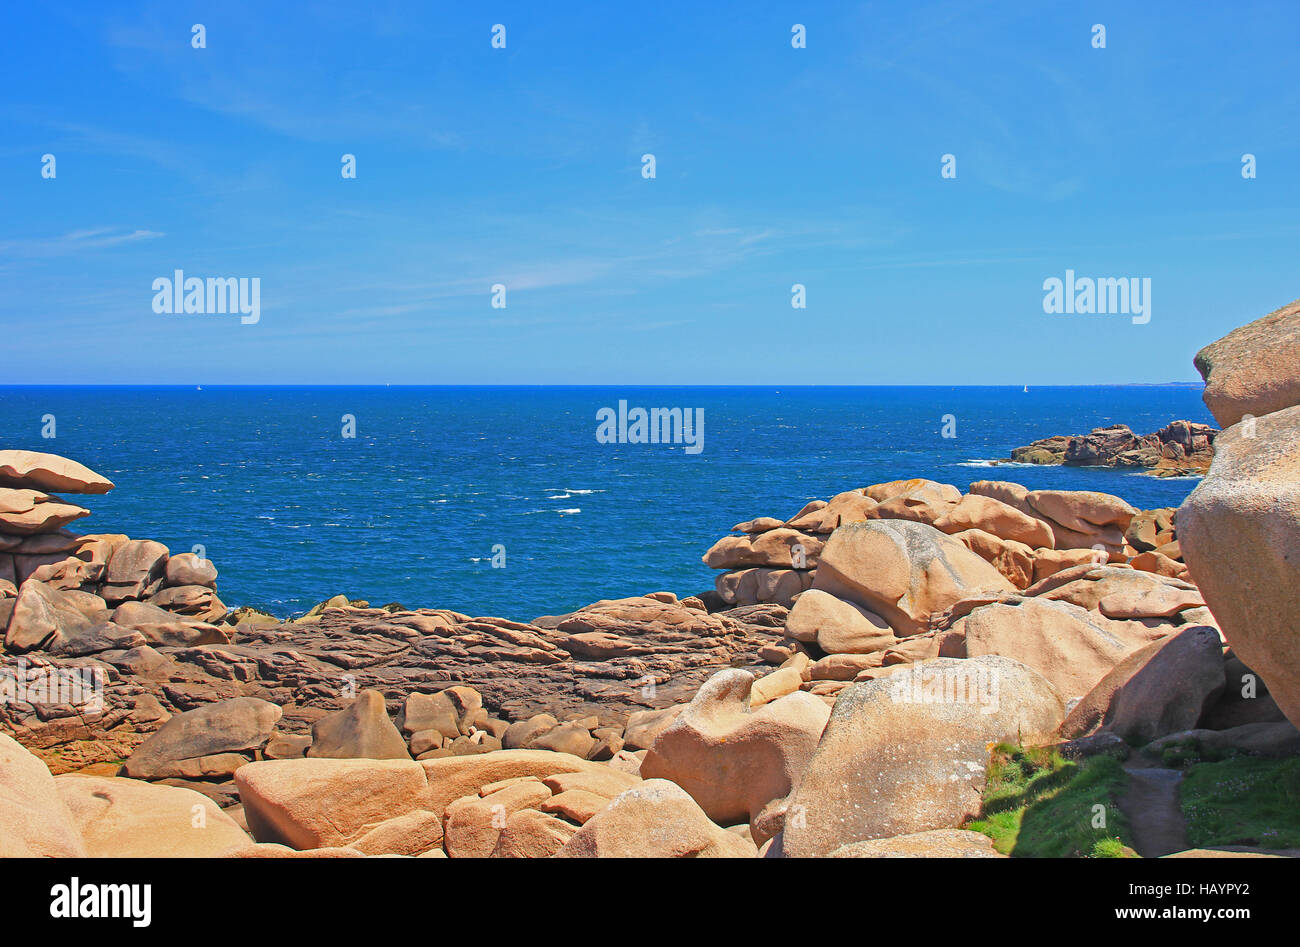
<point x="761" y="585"/>
<point x="126" y="818"/>
<point x="189" y="569"/>
<point x="178" y="749"/>
<point x="1240" y="536"/>
<point x="775" y="549"/>
<point x="136" y="568"/>
<point x="321" y="803"/>
<point x="161" y="627"/>
<point x="918" y="501"/>
<point x="909" y="752"/>
<point x="735" y="761"/>
<point x="533" y="834"/>
<point x="453" y="777"/>
<point x="837" y="626"/>
<point x="42" y="615"/>
<point x="473" y="824"/>
<point x="1069" y="646"/>
<point x="1014" y="560"/>
<point x="936" y="843"/>
<point x="361" y="730"/>
<point x="657" y="819"/>
<point x="1083" y="511"/>
<point x="412" y="834"/>
<point x="35" y="822"/>
<point x="824" y="518"/>
<point x="1159" y="689"/>
<point x="902" y="571"/>
<point x="1088" y="585"/>
<point x="917" y="488"/>
<point x="993" y="516"/>
<point x="31" y="512"/>
<point x="33" y="470"/>
<point x="1252" y="370"/>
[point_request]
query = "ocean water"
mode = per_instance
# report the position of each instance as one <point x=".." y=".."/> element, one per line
<point x="411" y="509"/>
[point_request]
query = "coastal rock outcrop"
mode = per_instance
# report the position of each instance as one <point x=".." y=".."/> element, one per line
<point x="928" y="622"/>
<point x="1024" y="540"/>
<point x="1178" y="449"/>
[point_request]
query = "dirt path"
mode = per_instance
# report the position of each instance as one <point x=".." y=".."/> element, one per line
<point x="1153" y="809"/>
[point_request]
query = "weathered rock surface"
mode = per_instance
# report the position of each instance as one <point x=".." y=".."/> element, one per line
<point x="1252" y="370"/>
<point x="1000" y="519"/>
<point x="35" y="822"/>
<point x="776" y="549"/>
<point x="936" y="843"/>
<point x="1178" y="449"/>
<point x="1280" y="739"/>
<point x="733" y="760"/>
<point x="30" y="512"/>
<point x="1240" y="534"/>
<point x="909" y="753"/>
<point x="902" y="571"/>
<point x="26" y="469"/>
<point x="837" y="626"/>
<point x="1162" y="688"/>
<point x="362" y="730"/>
<point x="321" y="803"/>
<point x="127" y="818"/>
<point x="135" y="569"/>
<point x="655" y="820"/>
<point x="178" y="749"/>
<point x="1069" y="646"/>
<point x="189" y="569"/>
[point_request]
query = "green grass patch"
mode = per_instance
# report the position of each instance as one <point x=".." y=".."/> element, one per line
<point x="1039" y="805"/>
<point x="1183" y="753"/>
<point x="1243" y="801"/>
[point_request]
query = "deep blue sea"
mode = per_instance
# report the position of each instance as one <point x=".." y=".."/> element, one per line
<point x="410" y="509"/>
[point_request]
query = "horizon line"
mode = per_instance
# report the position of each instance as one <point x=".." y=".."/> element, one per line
<point x="185" y="386"/>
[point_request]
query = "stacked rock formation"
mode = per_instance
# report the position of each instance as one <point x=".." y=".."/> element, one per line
<point x="1176" y="450"/>
<point x="70" y="594"/>
<point x="1025" y="535"/>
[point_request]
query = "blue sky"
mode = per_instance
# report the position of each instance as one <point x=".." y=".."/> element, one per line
<point x="522" y="166"/>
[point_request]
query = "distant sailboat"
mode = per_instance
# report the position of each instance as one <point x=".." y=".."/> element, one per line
<point x="1026" y="389"/>
<point x="198" y="387"/>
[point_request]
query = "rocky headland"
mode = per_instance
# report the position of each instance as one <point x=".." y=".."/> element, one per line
<point x="1179" y="449"/>
<point x="836" y="694"/>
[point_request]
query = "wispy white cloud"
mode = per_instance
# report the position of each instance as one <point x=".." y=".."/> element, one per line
<point x="77" y="241"/>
